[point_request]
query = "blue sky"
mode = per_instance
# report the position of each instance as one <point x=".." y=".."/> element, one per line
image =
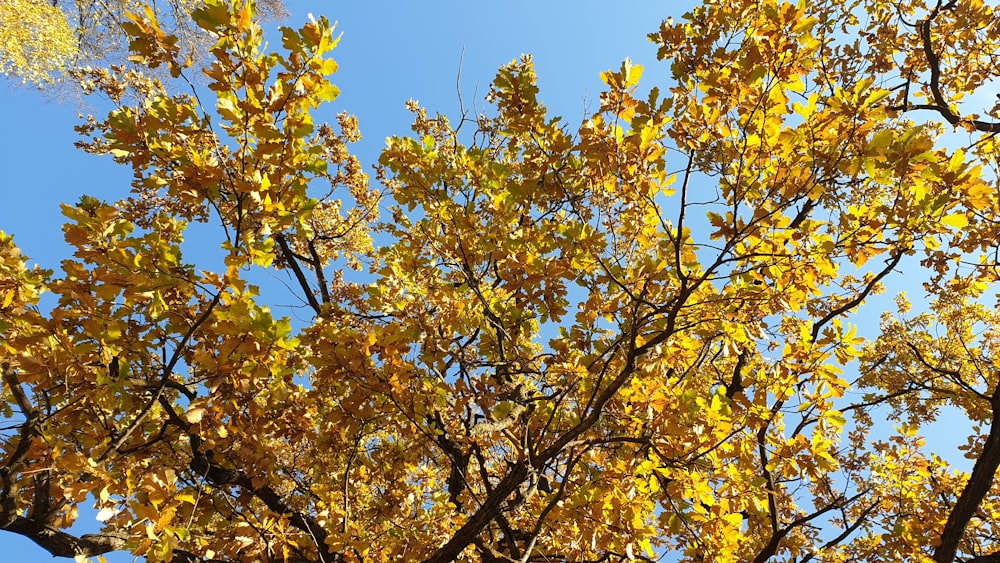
<point x="390" y="52"/>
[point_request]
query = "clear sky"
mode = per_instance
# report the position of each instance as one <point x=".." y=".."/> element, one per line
<point x="390" y="52"/>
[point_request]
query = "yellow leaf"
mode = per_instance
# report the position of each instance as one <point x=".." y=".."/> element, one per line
<point x="957" y="220"/>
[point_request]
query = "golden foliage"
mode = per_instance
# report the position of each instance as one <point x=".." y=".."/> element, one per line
<point x="36" y="40"/>
<point x="41" y="40"/>
<point x="602" y="342"/>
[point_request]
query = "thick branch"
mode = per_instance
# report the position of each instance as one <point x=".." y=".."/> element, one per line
<point x="62" y="544"/>
<point x="324" y="291"/>
<point x="940" y="103"/>
<point x="486" y="513"/>
<point x="293" y="263"/>
<point x="975" y="490"/>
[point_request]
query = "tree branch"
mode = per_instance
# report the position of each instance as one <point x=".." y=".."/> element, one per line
<point x="976" y="488"/>
<point x="940" y="103"/>
<point x="293" y="263"/>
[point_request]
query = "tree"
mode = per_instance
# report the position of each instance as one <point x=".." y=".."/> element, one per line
<point x="42" y="40"/>
<point x="599" y="343"/>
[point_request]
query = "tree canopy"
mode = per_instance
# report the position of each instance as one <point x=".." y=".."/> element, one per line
<point x="42" y="40"/>
<point x="630" y="338"/>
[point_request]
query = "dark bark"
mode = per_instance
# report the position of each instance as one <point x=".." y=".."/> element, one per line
<point x="940" y="104"/>
<point x="976" y="489"/>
